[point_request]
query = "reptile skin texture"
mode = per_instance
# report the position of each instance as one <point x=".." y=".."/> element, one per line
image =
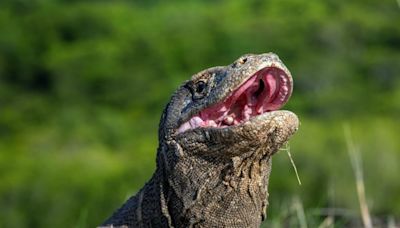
<point x="213" y="169"/>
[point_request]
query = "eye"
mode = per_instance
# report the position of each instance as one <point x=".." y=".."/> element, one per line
<point x="200" y="87"/>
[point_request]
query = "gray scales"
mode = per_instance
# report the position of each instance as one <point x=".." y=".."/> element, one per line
<point x="216" y="139"/>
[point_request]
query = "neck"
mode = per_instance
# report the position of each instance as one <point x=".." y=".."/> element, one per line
<point x="206" y="191"/>
<point x="214" y="190"/>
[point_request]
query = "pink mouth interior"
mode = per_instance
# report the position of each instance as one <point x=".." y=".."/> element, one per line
<point x="267" y="90"/>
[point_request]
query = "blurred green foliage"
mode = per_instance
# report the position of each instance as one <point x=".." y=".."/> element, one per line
<point x="83" y="83"/>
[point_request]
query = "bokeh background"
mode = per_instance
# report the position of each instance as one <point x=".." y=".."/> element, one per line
<point x="83" y="85"/>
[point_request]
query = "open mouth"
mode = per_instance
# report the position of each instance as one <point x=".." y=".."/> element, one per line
<point x="267" y="90"/>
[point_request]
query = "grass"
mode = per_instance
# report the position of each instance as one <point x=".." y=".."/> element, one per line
<point x="81" y="187"/>
<point x="293" y="214"/>
<point x="287" y="149"/>
<point x="355" y="158"/>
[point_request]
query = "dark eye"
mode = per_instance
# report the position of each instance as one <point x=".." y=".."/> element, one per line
<point x="200" y="87"/>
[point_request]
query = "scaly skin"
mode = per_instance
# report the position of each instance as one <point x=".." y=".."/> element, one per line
<point x="210" y="177"/>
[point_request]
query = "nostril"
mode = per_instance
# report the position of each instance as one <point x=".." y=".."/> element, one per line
<point x="239" y="62"/>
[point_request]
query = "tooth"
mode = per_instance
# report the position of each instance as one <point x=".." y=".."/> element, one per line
<point x="247" y="112"/>
<point x="283" y="78"/>
<point x="228" y="120"/>
<point x="282" y="95"/>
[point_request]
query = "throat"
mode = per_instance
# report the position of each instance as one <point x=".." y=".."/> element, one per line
<point x="260" y="89"/>
<point x="219" y="194"/>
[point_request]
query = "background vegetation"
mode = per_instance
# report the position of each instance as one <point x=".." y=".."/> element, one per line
<point x="83" y="84"/>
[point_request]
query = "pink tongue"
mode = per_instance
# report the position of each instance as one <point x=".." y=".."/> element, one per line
<point x="268" y="95"/>
<point x="250" y="87"/>
<point x="271" y="85"/>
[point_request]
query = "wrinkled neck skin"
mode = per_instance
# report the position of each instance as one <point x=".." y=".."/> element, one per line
<point x="215" y="176"/>
<point x="221" y="178"/>
<point x="210" y="179"/>
<point x="216" y="185"/>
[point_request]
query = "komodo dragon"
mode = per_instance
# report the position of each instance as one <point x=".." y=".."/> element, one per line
<point x="216" y="138"/>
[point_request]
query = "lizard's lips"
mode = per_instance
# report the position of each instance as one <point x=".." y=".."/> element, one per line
<point x="267" y="90"/>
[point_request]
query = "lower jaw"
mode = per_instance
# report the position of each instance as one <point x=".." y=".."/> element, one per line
<point x="261" y="119"/>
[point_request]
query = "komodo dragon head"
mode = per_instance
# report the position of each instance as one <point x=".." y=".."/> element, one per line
<point x="216" y="139"/>
<point x="217" y="136"/>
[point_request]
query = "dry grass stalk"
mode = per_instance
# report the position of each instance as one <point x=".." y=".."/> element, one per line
<point x="298" y="206"/>
<point x="328" y="222"/>
<point x="355" y="158"/>
<point x="287" y="149"/>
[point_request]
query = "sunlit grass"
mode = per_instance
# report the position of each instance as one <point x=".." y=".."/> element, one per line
<point x="79" y="182"/>
<point x="332" y="184"/>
